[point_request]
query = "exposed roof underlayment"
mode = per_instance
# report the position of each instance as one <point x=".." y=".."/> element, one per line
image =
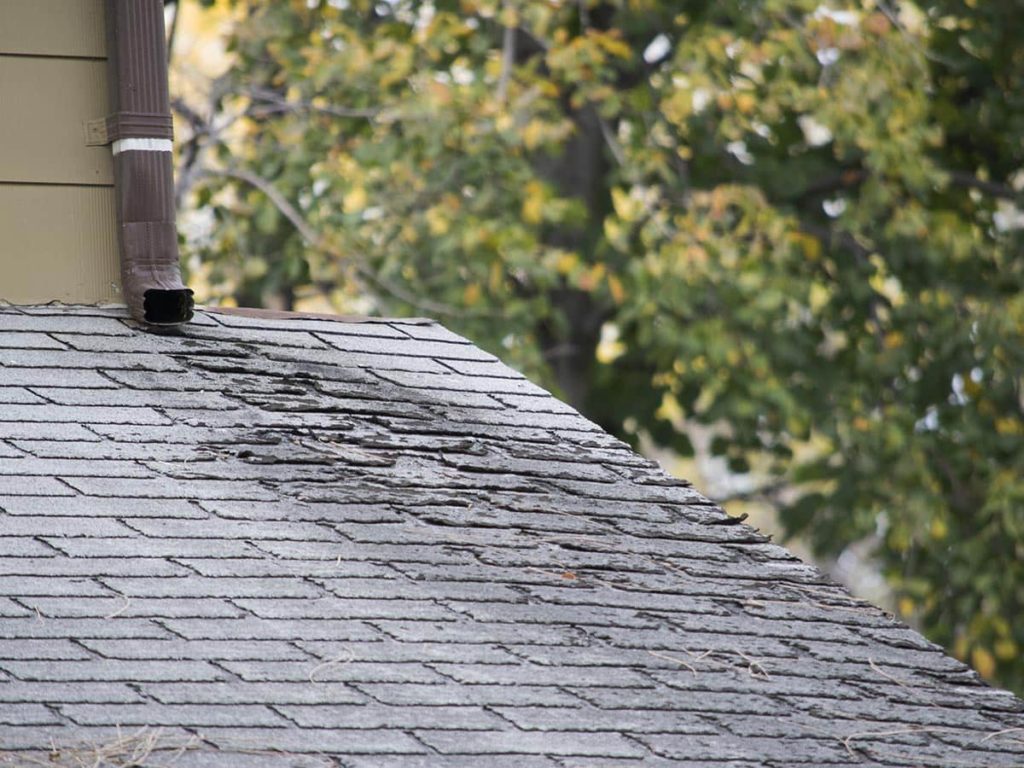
<point x="304" y="542"/>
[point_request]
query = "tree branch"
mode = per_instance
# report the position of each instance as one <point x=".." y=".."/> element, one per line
<point x="991" y="188"/>
<point x="609" y="138"/>
<point x="172" y="31"/>
<point x="861" y="253"/>
<point x="768" y="493"/>
<point x="204" y="134"/>
<point x="508" y="60"/>
<point x="316" y="240"/>
<point x="846" y="179"/>
<point x="269" y="102"/>
<point x="852" y="177"/>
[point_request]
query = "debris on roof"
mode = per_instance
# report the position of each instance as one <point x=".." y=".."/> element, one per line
<point x="371" y="543"/>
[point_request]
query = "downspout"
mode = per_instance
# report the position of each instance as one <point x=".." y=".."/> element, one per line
<point x="139" y="130"/>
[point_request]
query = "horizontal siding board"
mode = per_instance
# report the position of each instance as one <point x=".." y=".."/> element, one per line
<point x="59" y="244"/>
<point x="44" y="105"/>
<point x="52" y="28"/>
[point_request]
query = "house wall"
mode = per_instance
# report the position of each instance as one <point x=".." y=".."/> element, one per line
<point x="58" y="231"/>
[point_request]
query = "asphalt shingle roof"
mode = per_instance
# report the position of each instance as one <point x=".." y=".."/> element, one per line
<point x="301" y="542"/>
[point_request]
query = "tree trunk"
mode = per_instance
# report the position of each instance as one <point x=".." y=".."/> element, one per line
<point x="570" y="341"/>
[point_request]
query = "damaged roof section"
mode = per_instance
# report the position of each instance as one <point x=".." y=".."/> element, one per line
<point x="367" y="543"/>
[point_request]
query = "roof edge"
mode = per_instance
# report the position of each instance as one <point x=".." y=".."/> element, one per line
<point x="276" y="314"/>
<point x="268" y="314"/>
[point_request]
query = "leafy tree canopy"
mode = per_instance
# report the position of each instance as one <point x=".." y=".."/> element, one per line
<point x="791" y="221"/>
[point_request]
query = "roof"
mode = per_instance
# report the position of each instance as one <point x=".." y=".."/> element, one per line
<point x="370" y="543"/>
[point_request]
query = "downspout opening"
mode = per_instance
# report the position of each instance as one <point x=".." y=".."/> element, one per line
<point x="168" y="307"/>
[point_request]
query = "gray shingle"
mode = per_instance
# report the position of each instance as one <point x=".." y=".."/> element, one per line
<point x="106" y="670"/>
<point x="83" y="414"/>
<point x="91" y="506"/>
<point x="37" y="626"/>
<point x="197" y="650"/>
<point x="19" y="395"/>
<point x="371" y="540"/>
<point x="278" y="694"/>
<point x="119" y="606"/>
<point x="14" y="485"/>
<point x="312" y="740"/>
<point x="202" y="715"/>
<point x="38" y="376"/>
<point x="27" y="714"/>
<point x="376" y="717"/>
<point x="89" y="361"/>
<point x="510" y="743"/>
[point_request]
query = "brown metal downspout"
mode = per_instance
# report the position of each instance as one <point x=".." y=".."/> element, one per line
<point x="139" y="130"/>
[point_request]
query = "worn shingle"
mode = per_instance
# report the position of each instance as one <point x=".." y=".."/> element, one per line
<point x="296" y="541"/>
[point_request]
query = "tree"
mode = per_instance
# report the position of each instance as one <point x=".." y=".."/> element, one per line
<point x="793" y="222"/>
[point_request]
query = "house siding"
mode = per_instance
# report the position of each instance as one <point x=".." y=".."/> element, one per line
<point x="57" y="210"/>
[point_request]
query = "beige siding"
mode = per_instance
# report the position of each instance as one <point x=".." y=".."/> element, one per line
<point x="44" y="105"/>
<point x="58" y="244"/>
<point x="53" y="28"/>
<point x="58" y="231"/>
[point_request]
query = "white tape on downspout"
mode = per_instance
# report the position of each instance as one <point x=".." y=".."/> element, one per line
<point x="143" y="145"/>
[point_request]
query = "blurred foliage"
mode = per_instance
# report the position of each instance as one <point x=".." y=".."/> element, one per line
<point x="791" y="221"/>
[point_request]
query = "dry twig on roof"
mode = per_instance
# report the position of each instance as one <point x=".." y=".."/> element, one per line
<point x="136" y="750"/>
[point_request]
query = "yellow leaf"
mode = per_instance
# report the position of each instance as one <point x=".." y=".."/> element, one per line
<point x="614" y="230"/>
<point x="1008" y="425"/>
<point x="694" y="256"/>
<point x="509" y="16"/>
<point x="893" y="340"/>
<point x="809" y="244"/>
<point x="471" y="295"/>
<point x="614" y="46"/>
<point x="567" y="262"/>
<point x="437" y="221"/>
<point x="610" y="347"/>
<point x="355" y="200"/>
<point x="960" y="647"/>
<point x="678" y="107"/>
<point x="628" y="208"/>
<point x="590" y="279"/>
<point x="877" y="24"/>
<point x="745" y="103"/>
<point x="496" y="277"/>
<point x="939" y="529"/>
<point x="442" y="93"/>
<point x="1006" y="650"/>
<point x="615" y="288"/>
<point x="983" y="661"/>
<point x="533" y="134"/>
<point x="906" y="607"/>
<point x="533" y="203"/>
<point x="818" y="296"/>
